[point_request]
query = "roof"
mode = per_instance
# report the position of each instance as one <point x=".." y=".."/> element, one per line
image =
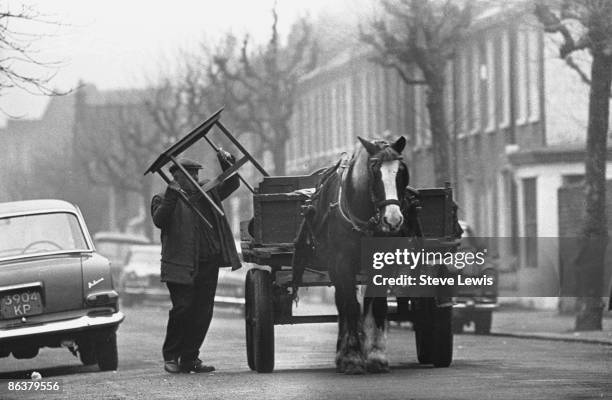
<point x="33" y="206"/>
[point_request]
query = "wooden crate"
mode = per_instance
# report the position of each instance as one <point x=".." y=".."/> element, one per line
<point x="277" y="208"/>
<point x="277" y="217"/>
<point x="286" y="184"/>
<point x="436" y="212"/>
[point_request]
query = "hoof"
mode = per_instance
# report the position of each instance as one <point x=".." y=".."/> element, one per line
<point x="377" y="366"/>
<point x="355" y="369"/>
<point x="351" y="365"/>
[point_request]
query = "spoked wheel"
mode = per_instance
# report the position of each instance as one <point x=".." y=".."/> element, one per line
<point x="433" y="333"/>
<point x="259" y="321"/>
<point x="248" y="312"/>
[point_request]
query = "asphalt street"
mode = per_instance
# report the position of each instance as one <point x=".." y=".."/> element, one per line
<point x="485" y="367"/>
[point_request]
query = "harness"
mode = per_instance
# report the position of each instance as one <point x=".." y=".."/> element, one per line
<point x="365" y="227"/>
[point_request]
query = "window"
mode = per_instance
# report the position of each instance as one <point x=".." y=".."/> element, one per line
<point x="319" y="123"/>
<point x="475" y="90"/>
<point x="449" y="94"/>
<point x="347" y="103"/>
<point x="504" y="86"/>
<point x="533" y="73"/>
<point x="336" y="116"/>
<point x="573" y="179"/>
<point x="364" y="106"/>
<point x="531" y="221"/>
<point x="521" y="76"/>
<point x="489" y="80"/>
<point x="464" y="88"/>
<point x="39" y="234"/>
<point x="421" y="116"/>
<point x="312" y="119"/>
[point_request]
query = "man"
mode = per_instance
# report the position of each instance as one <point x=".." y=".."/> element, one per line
<point x="191" y="256"/>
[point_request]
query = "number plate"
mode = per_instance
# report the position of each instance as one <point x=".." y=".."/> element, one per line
<point x="20" y="304"/>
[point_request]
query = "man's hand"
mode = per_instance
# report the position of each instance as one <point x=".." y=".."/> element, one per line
<point x="173" y="190"/>
<point x="225" y="157"/>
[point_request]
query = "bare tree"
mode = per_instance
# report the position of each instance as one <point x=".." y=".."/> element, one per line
<point x="260" y="87"/>
<point x="115" y="149"/>
<point x="587" y="25"/>
<point x="20" y="64"/>
<point x="422" y="36"/>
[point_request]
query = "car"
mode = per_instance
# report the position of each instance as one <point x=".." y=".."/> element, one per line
<point x="56" y="290"/>
<point x="140" y="277"/>
<point x="140" y="280"/>
<point x="115" y="247"/>
<point x="475" y="304"/>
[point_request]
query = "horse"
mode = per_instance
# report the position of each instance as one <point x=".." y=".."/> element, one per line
<point x="358" y="197"/>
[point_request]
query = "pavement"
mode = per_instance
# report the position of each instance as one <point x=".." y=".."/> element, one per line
<point x="547" y="325"/>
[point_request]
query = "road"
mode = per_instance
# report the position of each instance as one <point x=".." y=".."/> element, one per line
<point x="485" y="367"/>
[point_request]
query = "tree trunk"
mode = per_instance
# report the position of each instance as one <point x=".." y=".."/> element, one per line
<point x="595" y="232"/>
<point x="439" y="130"/>
<point x="279" y="155"/>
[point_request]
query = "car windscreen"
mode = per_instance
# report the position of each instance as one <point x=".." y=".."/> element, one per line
<point x="40" y="233"/>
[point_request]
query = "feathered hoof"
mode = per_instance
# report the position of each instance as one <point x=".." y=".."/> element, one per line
<point x="351" y="365"/>
<point x="377" y="365"/>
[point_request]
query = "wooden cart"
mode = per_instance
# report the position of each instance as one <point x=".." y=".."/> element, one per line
<point x="267" y="241"/>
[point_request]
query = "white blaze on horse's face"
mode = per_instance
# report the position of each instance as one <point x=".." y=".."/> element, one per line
<point x="392" y="218"/>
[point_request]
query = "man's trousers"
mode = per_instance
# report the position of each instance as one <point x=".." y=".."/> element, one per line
<point x="191" y="313"/>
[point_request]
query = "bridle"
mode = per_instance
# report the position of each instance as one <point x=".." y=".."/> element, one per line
<point x="368" y="227"/>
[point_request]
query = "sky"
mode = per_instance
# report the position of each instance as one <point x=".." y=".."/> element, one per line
<point x="122" y="44"/>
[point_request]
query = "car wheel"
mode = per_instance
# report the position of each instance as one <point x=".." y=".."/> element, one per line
<point x="106" y="352"/>
<point x="482" y="322"/>
<point x="87" y="352"/>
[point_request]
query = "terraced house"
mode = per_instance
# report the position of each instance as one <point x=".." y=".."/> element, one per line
<point x="517" y="115"/>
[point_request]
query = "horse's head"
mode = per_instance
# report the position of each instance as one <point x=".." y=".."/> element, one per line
<point x="388" y="177"/>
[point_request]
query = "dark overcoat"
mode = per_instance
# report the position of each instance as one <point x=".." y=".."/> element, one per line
<point x="181" y="247"/>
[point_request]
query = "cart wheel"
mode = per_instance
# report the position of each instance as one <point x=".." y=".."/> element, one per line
<point x="482" y="322"/>
<point x="260" y="321"/>
<point x="248" y="316"/>
<point x="423" y="331"/>
<point x="422" y="338"/>
<point x="433" y="333"/>
<point x="442" y="352"/>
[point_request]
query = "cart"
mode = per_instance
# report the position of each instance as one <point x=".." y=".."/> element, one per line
<point x="267" y="241"/>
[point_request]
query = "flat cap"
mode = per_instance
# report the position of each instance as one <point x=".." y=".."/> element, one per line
<point x="186" y="163"/>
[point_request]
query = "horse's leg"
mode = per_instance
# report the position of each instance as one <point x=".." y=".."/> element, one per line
<point x="341" y="329"/>
<point x="349" y="357"/>
<point x="375" y="330"/>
